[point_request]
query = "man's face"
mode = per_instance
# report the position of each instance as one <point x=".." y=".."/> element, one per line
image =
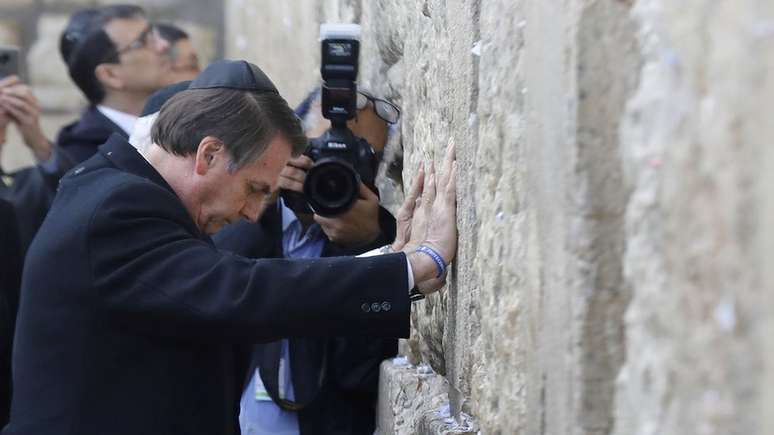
<point x="142" y="66"/>
<point x="225" y="197"/>
<point x="366" y="124"/>
<point x="184" y="62"/>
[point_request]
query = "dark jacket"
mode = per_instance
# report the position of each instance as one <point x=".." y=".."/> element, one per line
<point x="81" y="139"/>
<point x="31" y="190"/>
<point x="10" y="276"/>
<point x="129" y="313"/>
<point x="345" y="401"/>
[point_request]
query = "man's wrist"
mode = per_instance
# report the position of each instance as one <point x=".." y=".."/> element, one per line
<point x="39" y="144"/>
<point x="422" y="266"/>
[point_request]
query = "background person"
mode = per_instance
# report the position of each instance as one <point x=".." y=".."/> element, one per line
<point x="183" y="60"/>
<point x="30" y="190"/>
<point x="114" y="55"/>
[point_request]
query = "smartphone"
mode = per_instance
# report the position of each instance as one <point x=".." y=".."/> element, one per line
<point x="9" y="60"/>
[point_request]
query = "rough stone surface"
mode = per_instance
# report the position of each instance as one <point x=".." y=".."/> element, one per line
<point x="414" y="400"/>
<point x="615" y="194"/>
<point x="48" y="73"/>
<point x="694" y="135"/>
<point x="9" y="32"/>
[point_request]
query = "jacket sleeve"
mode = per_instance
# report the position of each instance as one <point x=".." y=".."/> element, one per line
<point x="153" y="273"/>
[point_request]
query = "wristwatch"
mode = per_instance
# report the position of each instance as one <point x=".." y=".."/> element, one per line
<point x="415" y="294"/>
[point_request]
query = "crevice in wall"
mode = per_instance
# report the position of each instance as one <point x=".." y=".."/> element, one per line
<point x="607" y="70"/>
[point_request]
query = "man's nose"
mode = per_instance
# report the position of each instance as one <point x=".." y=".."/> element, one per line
<point x="252" y="210"/>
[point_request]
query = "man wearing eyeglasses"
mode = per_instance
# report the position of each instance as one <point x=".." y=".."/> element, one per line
<point x="115" y="57"/>
<point x="304" y="386"/>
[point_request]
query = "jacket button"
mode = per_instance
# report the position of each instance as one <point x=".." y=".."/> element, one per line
<point x="386" y="306"/>
<point x="375" y="307"/>
<point x="366" y="308"/>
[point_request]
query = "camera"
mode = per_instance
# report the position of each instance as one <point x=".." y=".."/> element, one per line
<point x="341" y="160"/>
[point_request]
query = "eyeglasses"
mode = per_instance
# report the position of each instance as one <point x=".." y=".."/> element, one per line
<point x="389" y="112"/>
<point x="140" y="42"/>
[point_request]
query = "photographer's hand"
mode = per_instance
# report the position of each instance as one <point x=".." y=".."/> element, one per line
<point x="359" y="225"/>
<point x="294" y="173"/>
<point x="21" y="106"/>
<point x="291" y="178"/>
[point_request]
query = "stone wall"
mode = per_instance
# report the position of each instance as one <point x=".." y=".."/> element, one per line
<point x="615" y="185"/>
<point x="36" y="25"/>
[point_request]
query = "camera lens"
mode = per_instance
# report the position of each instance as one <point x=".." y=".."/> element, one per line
<point x="331" y="187"/>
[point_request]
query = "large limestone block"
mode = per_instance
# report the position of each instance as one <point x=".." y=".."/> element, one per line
<point x="413" y="400"/>
<point x="281" y="38"/>
<point x="424" y="52"/>
<point x="47" y="71"/>
<point x="18" y="3"/>
<point x="76" y="3"/>
<point x="696" y="134"/>
<point x="146" y="4"/>
<point x="10" y="33"/>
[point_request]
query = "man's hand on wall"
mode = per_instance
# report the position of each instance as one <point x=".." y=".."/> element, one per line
<point x="406" y="212"/>
<point x="22" y="108"/>
<point x="435" y="223"/>
<point x="359" y="225"/>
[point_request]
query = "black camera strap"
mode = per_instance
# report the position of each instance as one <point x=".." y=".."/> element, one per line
<point x="308" y="366"/>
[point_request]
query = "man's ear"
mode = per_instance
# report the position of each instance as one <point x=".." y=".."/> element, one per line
<point x="109" y="76"/>
<point x="208" y="154"/>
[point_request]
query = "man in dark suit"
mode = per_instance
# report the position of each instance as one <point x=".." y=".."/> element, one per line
<point x="132" y="334"/>
<point x="117" y="60"/>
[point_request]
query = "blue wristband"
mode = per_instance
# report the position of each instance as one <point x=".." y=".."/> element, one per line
<point x="435" y="256"/>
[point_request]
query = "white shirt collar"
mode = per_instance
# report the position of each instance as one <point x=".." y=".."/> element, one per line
<point x="122" y="119"/>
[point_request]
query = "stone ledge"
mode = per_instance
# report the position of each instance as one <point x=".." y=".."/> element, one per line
<point x="414" y="400"/>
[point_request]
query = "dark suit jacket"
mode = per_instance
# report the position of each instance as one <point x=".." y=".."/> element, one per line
<point x="345" y="402"/>
<point x="128" y="311"/>
<point x="80" y="139"/>
<point x="31" y="190"/>
<point x="10" y="276"/>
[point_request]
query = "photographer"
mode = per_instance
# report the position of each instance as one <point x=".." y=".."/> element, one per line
<point x="328" y="385"/>
<point x="144" y="306"/>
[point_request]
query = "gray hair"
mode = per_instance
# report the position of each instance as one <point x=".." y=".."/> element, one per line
<point x="245" y="122"/>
